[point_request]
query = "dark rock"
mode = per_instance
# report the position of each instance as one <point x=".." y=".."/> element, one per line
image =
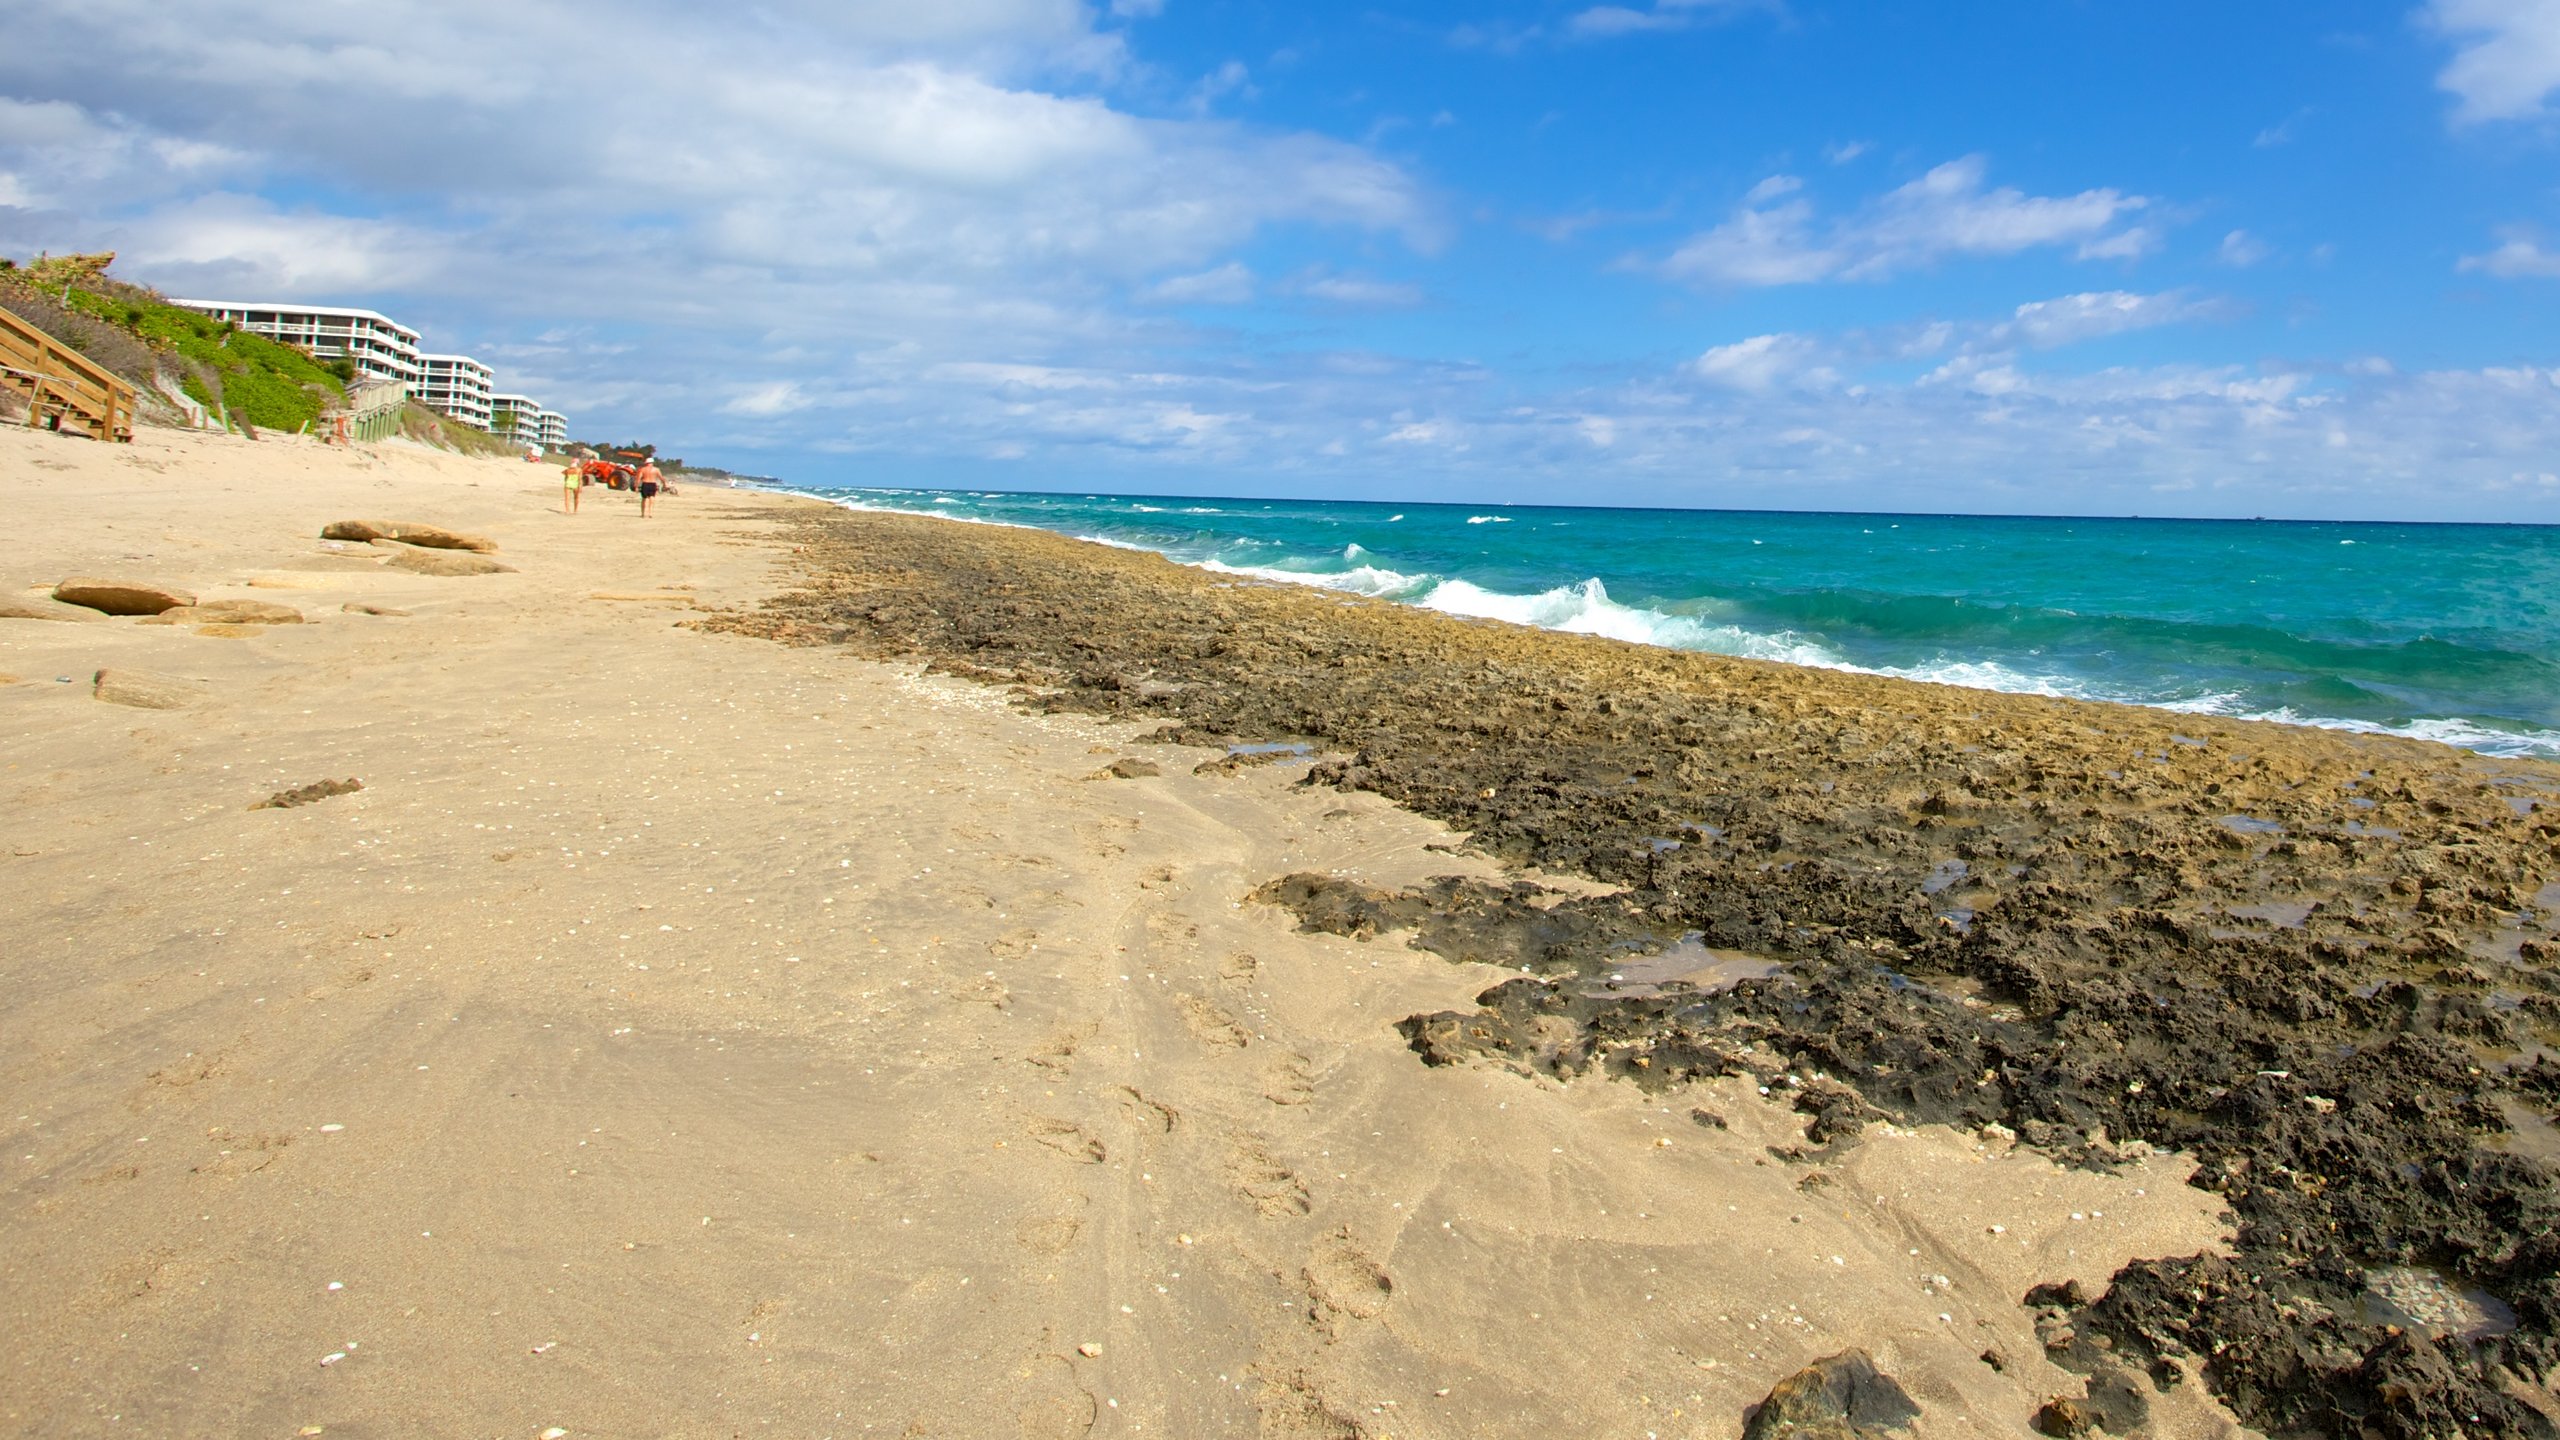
<point x="1839" y="1397"/>
<point x="305" y="794"/>
<point x="2064" y="1418"/>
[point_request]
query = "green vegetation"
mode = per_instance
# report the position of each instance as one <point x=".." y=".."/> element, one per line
<point x="252" y="380"/>
<point x="262" y="383"/>
<point x="430" y="427"/>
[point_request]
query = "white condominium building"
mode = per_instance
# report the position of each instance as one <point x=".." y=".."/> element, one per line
<point x="384" y="349"/>
<point x="381" y="347"/>
<point x="515" y="415"/>
<point x="457" y="385"/>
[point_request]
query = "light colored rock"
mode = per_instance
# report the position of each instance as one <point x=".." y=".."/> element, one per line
<point x="445" y="562"/>
<point x="228" y="612"/>
<point x="407" y="532"/>
<point x="144" y="690"/>
<point x="120" y="597"/>
<point x="43" y="610"/>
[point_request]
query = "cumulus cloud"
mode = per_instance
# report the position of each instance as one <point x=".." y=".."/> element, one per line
<point x="864" y="167"/>
<point x="1777" y="238"/>
<point x="2519" y="256"/>
<point x="2506" y="59"/>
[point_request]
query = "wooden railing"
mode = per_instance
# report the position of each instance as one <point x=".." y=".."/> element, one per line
<point x="64" y="389"/>
<point x="371" y="413"/>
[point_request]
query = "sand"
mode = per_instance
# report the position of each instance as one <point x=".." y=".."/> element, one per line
<point x="683" y="1034"/>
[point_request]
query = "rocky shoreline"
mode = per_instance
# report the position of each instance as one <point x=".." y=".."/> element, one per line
<point x="2323" y="965"/>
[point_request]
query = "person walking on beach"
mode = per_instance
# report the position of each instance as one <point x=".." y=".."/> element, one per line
<point x="572" y="481"/>
<point x="649" y="481"/>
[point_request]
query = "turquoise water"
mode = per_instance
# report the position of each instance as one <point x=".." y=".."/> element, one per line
<point x="2447" y="632"/>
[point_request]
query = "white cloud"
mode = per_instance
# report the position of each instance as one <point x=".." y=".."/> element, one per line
<point x="2130" y="243"/>
<point x="1228" y="284"/>
<point x="2507" y="57"/>
<point x="1771" y="189"/>
<point x="1946" y="212"/>
<point x="2283" y="131"/>
<point x="861" y="155"/>
<point x="1843" y="153"/>
<point x="1764" y="363"/>
<point x="2240" y="249"/>
<point x="1355" y="292"/>
<point x="780" y="397"/>
<point x="1604" y="21"/>
<point x="2073" y="319"/>
<point x="1137" y="9"/>
<point x="2519" y="256"/>
<point x="232" y="246"/>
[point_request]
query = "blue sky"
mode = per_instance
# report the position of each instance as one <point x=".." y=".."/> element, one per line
<point x="2168" y="258"/>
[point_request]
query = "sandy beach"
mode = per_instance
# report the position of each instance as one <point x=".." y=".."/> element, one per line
<point x="681" y="1033"/>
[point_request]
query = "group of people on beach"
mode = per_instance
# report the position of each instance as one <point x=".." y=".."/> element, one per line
<point x="646" y="481"/>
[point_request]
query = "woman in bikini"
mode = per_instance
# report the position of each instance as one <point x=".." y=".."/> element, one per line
<point x="572" y="480"/>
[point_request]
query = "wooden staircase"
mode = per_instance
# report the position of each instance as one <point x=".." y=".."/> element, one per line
<point x="64" y="389"/>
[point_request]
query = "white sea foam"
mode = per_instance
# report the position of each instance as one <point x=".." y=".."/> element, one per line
<point x="1488" y="519"/>
<point x="2527" y="743"/>
<point x="1369" y="580"/>
<point x="1586" y="609"/>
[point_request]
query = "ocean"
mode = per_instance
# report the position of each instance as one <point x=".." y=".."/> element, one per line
<point x="2442" y="632"/>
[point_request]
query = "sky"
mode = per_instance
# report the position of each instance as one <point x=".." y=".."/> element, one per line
<point x="2018" y="256"/>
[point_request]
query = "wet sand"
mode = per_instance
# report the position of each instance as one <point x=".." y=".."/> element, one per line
<point x="685" y="1034"/>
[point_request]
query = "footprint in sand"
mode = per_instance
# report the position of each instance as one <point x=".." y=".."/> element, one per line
<point x="1013" y="944"/>
<point x="1069" y="1139"/>
<point x="1048" y="1235"/>
<point x="1287" y="1084"/>
<point x="1060" y="1053"/>
<point x="1344" y="1283"/>
<point x="1274" y="1188"/>
<point x="1165" y="926"/>
<point x="1210" y="1025"/>
<point x="1146" y="1114"/>
<point x="1290" y="1409"/>
<point x="1054" y="1406"/>
<point x="985" y="990"/>
<point x="1238" y="968"/>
